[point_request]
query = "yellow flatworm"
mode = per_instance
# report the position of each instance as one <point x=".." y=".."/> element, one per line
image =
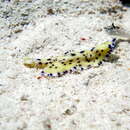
<point x="72" y="61"/>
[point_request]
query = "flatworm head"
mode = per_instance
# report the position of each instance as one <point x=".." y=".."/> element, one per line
<point x="35" y="63"/>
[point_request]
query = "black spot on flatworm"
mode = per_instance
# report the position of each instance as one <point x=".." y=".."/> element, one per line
<point x="89" y="66"/>
<point x="97" y="51"/>
<point x="38" y="59"/>
<point x="96" y="57"/>
<point x="65" y="72"/>
<point x="73" y="54"/>
<point x="87" y="60"/>
<point x="82" y="69"/>
<point x="49" y="59"/>
<point x="109" y="46"/>
<point x="100" y="63"/>
<point x="104" y="60"/>
<point x="74" y="67"/>
<point x="107" y="55"/>
<point x="70" y="70"/>
<point x="51" y="74"/>
<point x="40" y="63"/>
<point x="110" y="50"/>
<point x="66" y="52"/>
<point x="46" y="63"/>
<point x="92" y="48"/>
<point x="42" y="72"/>
<point x="58" y="74"/>
<point x="81" y="51"/>
<point x="114" y="39"/>
<point x="70" y="60"/>
<point x="55" y="60"/>
<point x="113" y="44"/>
<point x="99" y="54"/>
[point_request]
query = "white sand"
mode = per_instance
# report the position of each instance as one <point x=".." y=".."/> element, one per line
<point x="95" y="99"/>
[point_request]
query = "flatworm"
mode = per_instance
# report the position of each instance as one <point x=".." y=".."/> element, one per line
<point x="73" y="61"/>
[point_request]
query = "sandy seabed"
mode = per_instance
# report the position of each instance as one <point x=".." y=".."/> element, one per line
<point x="95" y="99"/>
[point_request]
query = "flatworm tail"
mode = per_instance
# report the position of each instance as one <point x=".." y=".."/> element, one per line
<point x="73" y="61"/>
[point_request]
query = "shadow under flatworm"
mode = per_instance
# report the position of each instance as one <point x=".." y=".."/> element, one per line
<point x="112" y="58"/>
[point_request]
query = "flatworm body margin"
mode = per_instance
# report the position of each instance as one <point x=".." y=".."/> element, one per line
<point x="73" y="61"/>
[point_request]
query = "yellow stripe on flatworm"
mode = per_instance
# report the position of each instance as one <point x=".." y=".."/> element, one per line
<point x="67" y="62"/>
